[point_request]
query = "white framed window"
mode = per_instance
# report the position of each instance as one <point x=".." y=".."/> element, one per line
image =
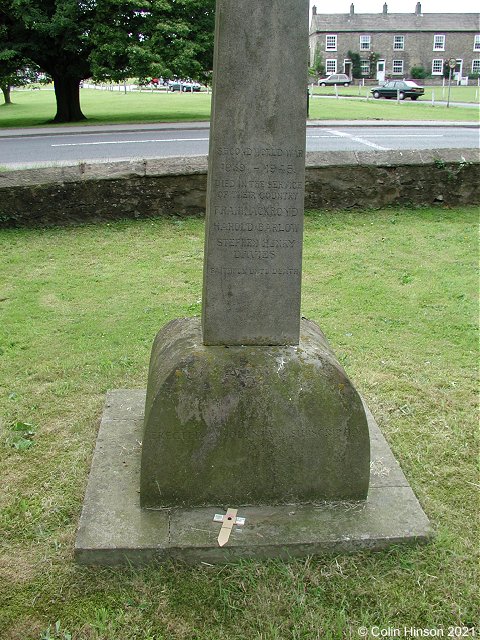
<point x="399" y="43"/>
<point x="397" y="66"/>
<point x="331" y="43"/>
<point x="365" y="66"/>
<point x="438" y="43"/>
<point x="476" y="66"/>
<point x="365" y="43"/>
<point x="476" y="42"/>
<point x="437" y="66"/>
<point x="331" y="66"/>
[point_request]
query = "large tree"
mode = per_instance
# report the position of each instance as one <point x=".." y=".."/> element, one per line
<point x="76" y="39"/>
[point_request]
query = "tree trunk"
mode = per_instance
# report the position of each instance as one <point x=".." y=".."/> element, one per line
<point x="6" y="94"/>
<point x="67" y="94"/>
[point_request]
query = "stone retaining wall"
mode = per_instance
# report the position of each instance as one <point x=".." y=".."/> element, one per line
<point x="89" y="192"/>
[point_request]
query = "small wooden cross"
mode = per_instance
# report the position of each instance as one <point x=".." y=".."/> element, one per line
<point x="227" y="520"/>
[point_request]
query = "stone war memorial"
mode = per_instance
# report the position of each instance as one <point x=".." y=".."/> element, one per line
<point x="250" y="440"/>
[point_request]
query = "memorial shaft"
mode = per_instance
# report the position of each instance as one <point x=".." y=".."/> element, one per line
<point x="256" y="176"/>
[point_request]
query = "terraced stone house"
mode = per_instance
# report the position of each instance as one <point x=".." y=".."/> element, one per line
<point x="390" y="44"/>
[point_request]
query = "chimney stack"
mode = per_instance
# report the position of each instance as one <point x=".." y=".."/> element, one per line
<point x="385" y="8"/>
<point x="418" y="9"/>
<point x="352" y="9"/>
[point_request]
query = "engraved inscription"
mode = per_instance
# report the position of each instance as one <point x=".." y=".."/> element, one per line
<point x="260" y="227"/>
<point x="268" y="211"/>
<point x="259" y="152"/>
<point x="254" y="271"/>
<point x="262" y="180"/>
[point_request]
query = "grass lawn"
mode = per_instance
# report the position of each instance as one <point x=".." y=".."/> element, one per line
<point x="104" y="107"/>
<point x="354" y="109"/>
<point x="32" y="108"/>
<point x="395" y="292"/>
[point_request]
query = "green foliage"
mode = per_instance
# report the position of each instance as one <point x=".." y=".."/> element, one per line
<point x="356" y="64"/>
<point x="184" y="35"/>
<point x="418" y="73"/>
<point x="56" y="633"/>
<point x="20" y="435"/>
<point x="318" y="64"/>
<point x="373" y="58"/>
<point x="152" y="38"/>
<point x="15" y="68"/>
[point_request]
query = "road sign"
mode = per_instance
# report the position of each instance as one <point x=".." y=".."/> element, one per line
<point x="452" y="63"/>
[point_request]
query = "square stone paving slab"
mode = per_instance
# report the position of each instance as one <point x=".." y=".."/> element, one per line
<point x="114" y="529"/>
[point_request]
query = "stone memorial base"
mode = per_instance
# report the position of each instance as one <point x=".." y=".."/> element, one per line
<point x="250" y="424"/>
<point x="114" y="529"/>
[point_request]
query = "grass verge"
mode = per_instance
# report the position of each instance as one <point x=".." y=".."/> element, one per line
<point x="35" y="108"/>
<point x="395" y="292"/>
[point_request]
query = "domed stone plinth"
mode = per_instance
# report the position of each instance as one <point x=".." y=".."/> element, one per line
<point x="250" y="424"/>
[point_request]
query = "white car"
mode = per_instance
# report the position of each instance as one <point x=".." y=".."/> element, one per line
<point x="335" y="78"/>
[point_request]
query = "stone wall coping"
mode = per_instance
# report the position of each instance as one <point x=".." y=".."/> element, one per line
<point x="195" y="165"/>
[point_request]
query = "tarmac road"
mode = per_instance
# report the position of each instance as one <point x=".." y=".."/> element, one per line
<point x="64" y="145"/>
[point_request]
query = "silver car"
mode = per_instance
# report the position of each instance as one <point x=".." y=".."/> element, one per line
<point x="335" y="78"/>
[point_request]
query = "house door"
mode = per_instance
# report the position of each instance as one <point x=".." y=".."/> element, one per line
<point x="457" y="72"/>
<point x="381" y="70"/>
<point x="347" y="68"/>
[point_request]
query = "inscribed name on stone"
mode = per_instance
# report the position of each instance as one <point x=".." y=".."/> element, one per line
<point x="256" y="178"/>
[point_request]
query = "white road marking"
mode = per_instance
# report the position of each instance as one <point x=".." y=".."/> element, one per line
<point x="407" y="135"/>
<point x="391" y="135"/>
<point x="334" y="134"/>
<point x="342" y="134"/>
<point x="85" y="144"/>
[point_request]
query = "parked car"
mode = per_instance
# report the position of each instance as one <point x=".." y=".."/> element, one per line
<point x="335" y="78"/>
<point x="183" y="85"/>
<point x="402" y="88"/>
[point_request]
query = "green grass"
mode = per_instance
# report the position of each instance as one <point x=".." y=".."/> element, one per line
<point x="354" y="109"/>
<point x="34" y="108"/>
<point x="395" y="292"/>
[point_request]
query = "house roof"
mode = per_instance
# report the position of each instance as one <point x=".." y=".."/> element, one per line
<point x="398" y="22"/>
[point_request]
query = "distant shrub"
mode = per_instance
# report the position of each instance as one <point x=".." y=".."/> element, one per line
<point x="356" y="64"/>
<point x="418" y="73"/>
